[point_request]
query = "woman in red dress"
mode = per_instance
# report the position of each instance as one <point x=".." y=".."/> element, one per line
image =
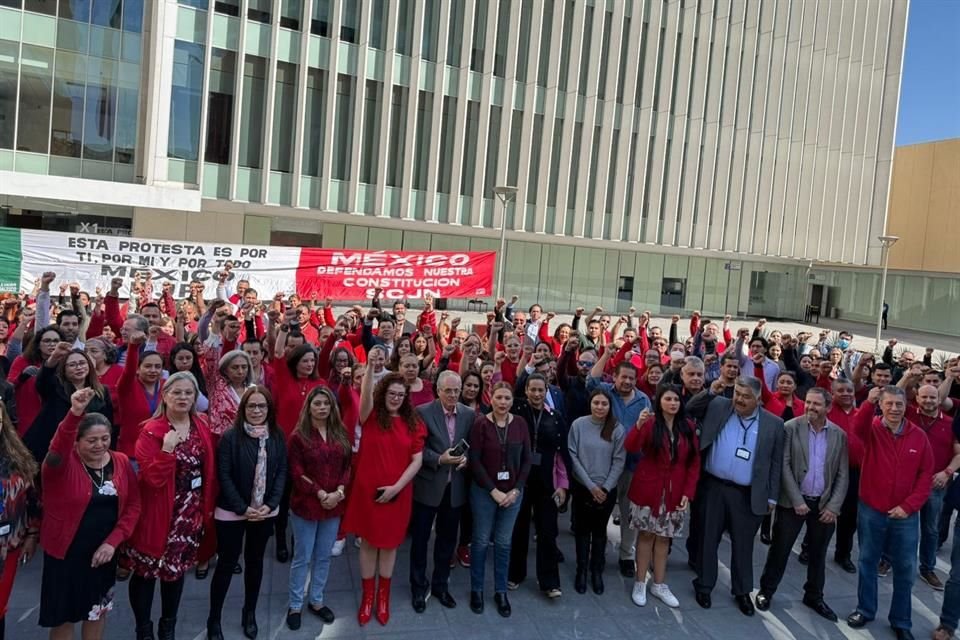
<point x="381" y="498"/>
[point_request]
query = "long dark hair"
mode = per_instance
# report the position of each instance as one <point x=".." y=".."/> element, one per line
<point x="336" y="431"/>
<point x="195" y="368"/>
<point x="681" y="428"/>
<point x="32" y="353"/>
<point x="297" y="355"/>
<point x="611" y="421"/>
<point x="92" y="380"/>
<point x="406" y="410"/>
<point x="271" y="409"/>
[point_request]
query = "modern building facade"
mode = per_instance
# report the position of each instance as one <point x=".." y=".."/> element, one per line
<point x="672" y="154"/>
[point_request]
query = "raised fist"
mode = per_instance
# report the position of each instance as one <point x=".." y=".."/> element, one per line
<point x="47" y="278"/>
<point x="80" y="399"/>
<point x="578" y="312"/>
<point x="136" y="338"/>
<point x="514" y="299"/>
<point x="674" y="319"/>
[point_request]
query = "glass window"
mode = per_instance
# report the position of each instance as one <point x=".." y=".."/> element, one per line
<point x="350" y="21"/>
<point x="455" y="32"/>
<point x="546" y="34"/>
<point x="422" y="145"/>
<point x="284" y="114"/>
<point x="565" y="45"/>
<point x="405" y="27"/>
<point x="479" y="35"/>
<point x="46" y="7"/>
<point x="196" y="4"/>
<point x="503" y="39"/>
<point x="513" y="158"/>
<point x="523" y="50"/>
<point x="66" y="129"/>
<point x="661" y="60"/>
<point x="445" y="159"/>
<point x="223" y="69"/>
<point x="631" y="182"/>
<point x="594" y="160"/>
<point x="290" y="14"/>
<point x="252" y="108"/>
<point x="259" y="10"/>
<point x="320" y="21"/>
<point x="470" y="148"/>
<point x="370" y="152"/>
<point x="127" y="114"/>
<point x="585" y="52"/>
<point x="622" y="71"/>
<point x="133" y="16"/>
<point x="574" y="164"/>
<point x="78" y="10"/>
<point x="534" y="176"/>
<point x="431" y="30"/>
<point x="106" y="13"/>
<point x="398" y="131"/>
<point x="644" y="36"/>
<point x="227" y="7"/>
<point x="9" y="53"/>
<point x="493" y="151"/>
<point x="604" y="56"/>
<point x="343" y="127"/>
<point x="184" y="138"/>
<point x="36" y="86"/>
<point x="612" y="173"/>
<point x="378" y="24"/>
<point x="313" y="122"/>
<point x="99" y="114"/>
<point x="555" y="162"/>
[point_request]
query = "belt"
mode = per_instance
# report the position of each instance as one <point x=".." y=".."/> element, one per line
<point x="811" y="498"/>
<point x="728" y="483"/>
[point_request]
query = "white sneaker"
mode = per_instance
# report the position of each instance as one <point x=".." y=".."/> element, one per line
<point x="639" y="595"/>
<point x="662" y="591"/>
<point x="338" y="546"/>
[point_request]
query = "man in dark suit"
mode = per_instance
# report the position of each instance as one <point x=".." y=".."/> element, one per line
<point x="742" y="446"/>
<point x="439" y="492"/>
<point x="814" y="485"/>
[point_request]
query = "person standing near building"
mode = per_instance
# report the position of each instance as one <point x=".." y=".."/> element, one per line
<point x="895" y="484"/>
<point x="813" y="488"/>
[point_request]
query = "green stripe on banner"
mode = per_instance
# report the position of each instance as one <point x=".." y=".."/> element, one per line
<point x="10" y="257"/>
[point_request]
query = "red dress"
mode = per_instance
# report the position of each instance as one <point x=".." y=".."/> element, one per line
<point x="382" y="459"/>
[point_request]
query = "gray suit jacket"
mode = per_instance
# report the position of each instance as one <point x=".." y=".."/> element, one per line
<point x="431" y="481"/>
<point x="796" y="463"/>
<point x="713" y="412"/>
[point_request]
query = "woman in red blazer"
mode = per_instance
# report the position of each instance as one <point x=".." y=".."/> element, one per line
<point x="178" y="480"/>
<point x="139" y="391"/>
<point x="663" y="485"/>
<point x="91" y="503"/>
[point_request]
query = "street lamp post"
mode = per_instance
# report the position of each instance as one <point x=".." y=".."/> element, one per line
<point x="886" y="242"/>
<point x="504" y="194"/>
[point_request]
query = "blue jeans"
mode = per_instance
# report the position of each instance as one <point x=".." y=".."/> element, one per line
<point x="930" y="529"/>
<point x="315" y="540"/>
<point x="951" y="594"/>
<point x="898" y="539"/>
<point x="491" y="521"/>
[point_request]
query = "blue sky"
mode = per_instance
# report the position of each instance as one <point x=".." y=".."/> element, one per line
<point x="930" y="87"/>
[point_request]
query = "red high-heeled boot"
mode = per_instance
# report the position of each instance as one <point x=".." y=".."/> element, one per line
<point x="366" y="602"/>
<point x="383" y="600"/>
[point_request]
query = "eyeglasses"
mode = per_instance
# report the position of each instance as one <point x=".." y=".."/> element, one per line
<point x="257" y="406"/>
<point x="585" y="363"/>
<point x="75" y="365"/>
<point x="450" y="390"/>
<point x="181" y="394"/>
<point x="397" y="395"/>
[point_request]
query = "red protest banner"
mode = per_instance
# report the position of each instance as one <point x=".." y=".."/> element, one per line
<point x="348" y="274"/>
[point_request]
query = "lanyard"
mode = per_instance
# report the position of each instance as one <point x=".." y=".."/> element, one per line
<point x="746" y="428"/>
<point x="502" y="439"/>
<point x="536" y="428"/>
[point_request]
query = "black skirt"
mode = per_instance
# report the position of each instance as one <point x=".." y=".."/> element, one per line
<point x="73" y="591"/>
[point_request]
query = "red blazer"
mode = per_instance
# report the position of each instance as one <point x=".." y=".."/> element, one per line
<point x="658" y="476"/>
<point x="134" y="408"/>
<point x="67" y="491"/>
<point x="157" y="487"/>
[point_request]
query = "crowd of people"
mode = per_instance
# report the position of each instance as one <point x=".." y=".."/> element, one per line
<point x="150" y="438"/>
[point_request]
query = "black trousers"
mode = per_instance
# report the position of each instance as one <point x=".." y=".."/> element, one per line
<point x="847" y="519"/>
<point x="726" y="508"/>
<point x="786" y="528"/>
<point x="695" y="527"/>
<point x="538" y="506"/>
<point x="466" y="517"/>
<point x="589" y="521"/>
<point x="230" y="543"/>
<point x="421" y="522"/>
<point x="141" y="598"/>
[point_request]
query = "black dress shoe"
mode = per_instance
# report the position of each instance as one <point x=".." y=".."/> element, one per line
<point x="847" y="565"/>
<point x="580" y="581"/>
<point x="763" y="601"/>
<point x="628" y="569"/>
<point x="250" y="624"/>
<point x="903" y="634"/>
<point x="445" y="599"/>
<point x="476" y="601"/>
<point x="283" y="554"/>
<point x="324" y="613"/>
<point x="214" y="632"/>
<point x="237" y="569"/>
<point x="503" y="605"/>
<point x="804" y="557"/>
<point x="596" y="582"/>
<point x="765" y="538"/>
<point x="419" y="602"/>
<point x="294" y="618"/>
<point x="745" y="605"/>
<point x="856" y="620"/>
<point x="703" y="599"/>
<point x="821" y="608"/>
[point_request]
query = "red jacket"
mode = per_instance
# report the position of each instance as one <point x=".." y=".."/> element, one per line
<point x="157" y="484"/>
<point x="67" y="491"/>
<point x="134" y="407"/>
<point x="657" y="477"/>
<point x="848" y="422"/>
<point x="896" y="469"/>
<point x="289" y="394"/>
<point x="25" y="393"/>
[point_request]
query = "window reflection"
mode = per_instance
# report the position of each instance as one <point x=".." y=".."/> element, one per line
<point x="106" y="13"/>
<point x="184" y="136"/>
<point x="8" y="91"/>
<point x="66" y="130"/>
<point x="220" y="106"/>
<point x="36" y="85"/>
<point x="253" y="107"/>
<point x="284" y="110"/>
<point x="313" y="122"/>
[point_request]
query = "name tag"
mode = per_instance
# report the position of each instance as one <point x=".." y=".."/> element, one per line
<point x="5" y="529"/>
<point x="503" y="475"/>
<point x="196" y="482"/>
<point x="743" y="454"/>
<point x="535" y="458"/>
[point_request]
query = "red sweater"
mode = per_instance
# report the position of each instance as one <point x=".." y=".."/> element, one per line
<point x="67" y="491"/>
<point x="939" y="432"/>
<point x="896" y="469"/>
<point x="134" y="407"/>
<point x="25" y="393"/>
<point x="317" y="464"/>
<point x="289" y="395"/>
<point x="157" y="479"/>
<point x="658" y="476"/>
<point x="848" y="422"/>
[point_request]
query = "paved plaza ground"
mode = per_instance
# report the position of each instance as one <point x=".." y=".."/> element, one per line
<point x="572" y="617"/>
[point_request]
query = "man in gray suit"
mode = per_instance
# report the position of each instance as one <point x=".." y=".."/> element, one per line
<point x="742" y="448"/>
<point x="814" y="486"/>
<point x="439" y="492"/>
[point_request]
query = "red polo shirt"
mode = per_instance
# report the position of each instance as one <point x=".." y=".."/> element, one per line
<point x="939" y="430"/>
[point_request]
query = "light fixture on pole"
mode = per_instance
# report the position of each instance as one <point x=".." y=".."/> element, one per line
<point x="886" y="242"/>
<point x="504" y="194"/>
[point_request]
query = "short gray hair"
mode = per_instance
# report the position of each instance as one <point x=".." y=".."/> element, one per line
<point x="751" y="383"/>
<point x="695" y="362"/>
<point x="823" y="393"/>
<point x="179" y="376"/>
<point x="143" y="324"/>
<point x="445" y="377"/>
